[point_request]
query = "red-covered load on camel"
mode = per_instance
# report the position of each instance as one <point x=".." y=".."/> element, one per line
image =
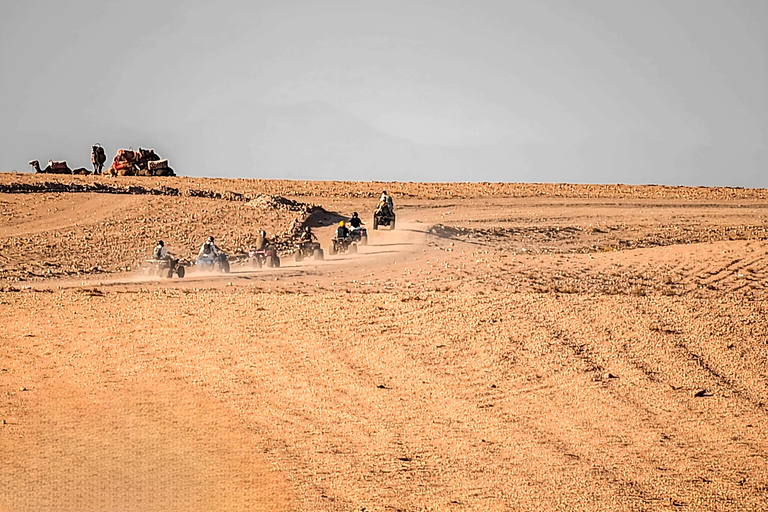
<point x="144" y="162"/>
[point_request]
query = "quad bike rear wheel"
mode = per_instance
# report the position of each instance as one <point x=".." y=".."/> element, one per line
<point x="180" y="271"/>
<point x="352" y="248"/>
<point x="299" y="256"/>
<point x="318" y="254"/>
<point x="375" y="222"/>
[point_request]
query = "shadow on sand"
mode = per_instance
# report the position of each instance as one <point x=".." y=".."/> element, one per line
<point x="320" y="218"/>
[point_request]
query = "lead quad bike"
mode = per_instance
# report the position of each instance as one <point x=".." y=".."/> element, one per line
<point x="340" y="245"/>
<point x="306" y="250"/>
<point x="218" y="262"/>
<point x="267" y="256"/>
<point x="384" y="216"/>
<point x="165" y="267"/>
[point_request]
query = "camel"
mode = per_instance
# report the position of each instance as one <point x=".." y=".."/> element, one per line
<point x="98" y="157"/>
<point x="58" y="168"/>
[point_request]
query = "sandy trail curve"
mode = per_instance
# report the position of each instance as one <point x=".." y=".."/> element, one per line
<point x="407" y="243"/>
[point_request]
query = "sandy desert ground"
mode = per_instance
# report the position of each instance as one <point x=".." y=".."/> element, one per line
<point x="507" y="347"/>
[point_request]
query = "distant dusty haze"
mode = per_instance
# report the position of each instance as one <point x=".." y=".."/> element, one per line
<point x="668" y="92"/>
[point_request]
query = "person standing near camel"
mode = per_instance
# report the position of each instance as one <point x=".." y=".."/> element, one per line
<point x="98" y="157"/>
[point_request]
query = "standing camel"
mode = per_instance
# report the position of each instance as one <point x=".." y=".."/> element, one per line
<point x="98" y="157"/>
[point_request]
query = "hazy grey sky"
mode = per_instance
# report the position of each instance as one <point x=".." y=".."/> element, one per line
<point x="644" y="91"/>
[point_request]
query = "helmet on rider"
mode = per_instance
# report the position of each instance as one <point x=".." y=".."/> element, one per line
<point x="383" y="191"/>
<point x="210" y="240"/>
<point x="160" y="243"/>
<point x="354" y="214"/>
<point x="307" y="229"/>
<point x="341" y="223"/>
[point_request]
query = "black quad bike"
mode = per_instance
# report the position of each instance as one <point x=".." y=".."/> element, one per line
<point x="339" y="245"/>
<point x="359" y="235"/>
<point x="306" y="250"/>
<point x="384" y="217"/>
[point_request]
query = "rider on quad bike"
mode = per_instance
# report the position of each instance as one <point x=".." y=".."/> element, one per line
<point x="165" y="263"/>
<point x="387" y="199"/>
<point x="342" y="242"/>
<point x="263" y="252"/>
<point x="385" y="212"/>
<point x="211" y="256"/>
<point x="342" y="231"/>
<point x="160" y="252"/>
<point x="307" y="235"/>
<point x="355" y="221"/>
<point x="385" y="202"/>
<point x="308" y="246"/>
<point x="261" y="241"/>
<point x="209" y="249"/>
<point x="356" y="231"/>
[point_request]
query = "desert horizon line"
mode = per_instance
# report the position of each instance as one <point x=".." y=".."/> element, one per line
<point x="383" y="182"/>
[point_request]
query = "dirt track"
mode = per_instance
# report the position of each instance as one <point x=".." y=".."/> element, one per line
<point x="571" y="348"/>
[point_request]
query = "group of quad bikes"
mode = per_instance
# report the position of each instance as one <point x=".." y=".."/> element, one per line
<point x="269" y="256"/>
<point x="170" y="266"/>
<point x="383" y="216"/>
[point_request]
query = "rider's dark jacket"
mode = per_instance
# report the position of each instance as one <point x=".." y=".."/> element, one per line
<point x="342" y="232"/>
<point x="355" y="222"/>
<point x="208" y="250"/>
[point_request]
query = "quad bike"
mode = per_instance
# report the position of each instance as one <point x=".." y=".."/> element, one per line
<point x="308" y="250"/>
<point x="267" y="256"/>
<point x="165" y="267"/>
<point x="339" y="245"/>
<point x="383" y="217"/>
<point x="218" y="262"/>
<point x="359" y="235"/>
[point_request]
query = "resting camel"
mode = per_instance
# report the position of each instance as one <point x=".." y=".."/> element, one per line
<point x="58" y="168"/>
<point x="98" y="157"/>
